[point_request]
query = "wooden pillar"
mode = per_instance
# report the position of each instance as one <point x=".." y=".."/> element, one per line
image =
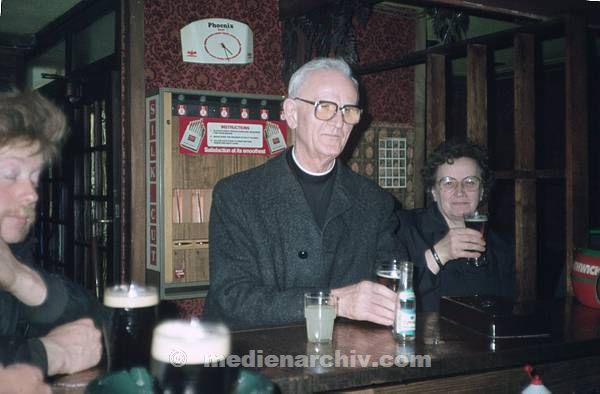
<point x="525" y="187"/>
<point x="477" y="126"/>
<point x="576" y="139"/>
<point x="436" y="101"/>
<point x="134" y="128"/>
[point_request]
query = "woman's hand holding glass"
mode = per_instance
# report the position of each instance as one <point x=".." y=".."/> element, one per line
<point x="460" y="242"/>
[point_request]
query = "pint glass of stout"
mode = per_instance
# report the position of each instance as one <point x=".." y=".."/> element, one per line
<point x="388" y="274"/>
<point x="477" y="221"/>
<point x="134" y="315"/>
<point x="190" y="357"/>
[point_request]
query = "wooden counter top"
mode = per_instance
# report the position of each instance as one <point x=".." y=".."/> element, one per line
<point x="453" y="351"/>
<point x="458" y="359"/>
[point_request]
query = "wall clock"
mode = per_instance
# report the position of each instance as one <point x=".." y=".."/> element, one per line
<point x="217" y="41"/>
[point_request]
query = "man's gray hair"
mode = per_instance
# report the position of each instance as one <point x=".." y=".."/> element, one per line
<point x="318" y="64"/>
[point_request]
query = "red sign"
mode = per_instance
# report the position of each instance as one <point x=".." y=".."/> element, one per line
<point x="231" y="136"/>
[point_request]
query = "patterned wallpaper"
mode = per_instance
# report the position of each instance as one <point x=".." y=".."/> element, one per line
<point x="163" y="61"/>
<point x="389" y="95"/>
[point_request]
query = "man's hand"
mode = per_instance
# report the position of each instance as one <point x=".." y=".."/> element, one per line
<point x="20" y="280"/>
<point x="73" y="347"/>
<point x="460" y="242"/>
<point x="368" y="301"/>
<point x="22" y="379"/>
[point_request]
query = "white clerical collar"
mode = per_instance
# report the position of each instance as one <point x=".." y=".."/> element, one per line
<point x="311" y="172"/>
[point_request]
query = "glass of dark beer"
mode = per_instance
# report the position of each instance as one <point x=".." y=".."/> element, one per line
<point x="190" y="357"/>
<point x="129" y="335"/>
<point x="477" y="221"/>
<point x="389" y="274"/>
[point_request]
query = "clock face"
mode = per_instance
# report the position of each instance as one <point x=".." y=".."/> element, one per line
<point x="223" y="46"/>
<point x="217" y="41"/>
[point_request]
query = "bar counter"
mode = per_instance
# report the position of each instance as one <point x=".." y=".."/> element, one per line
<point x="445" y="357"/>
<point x="461" y="360"/>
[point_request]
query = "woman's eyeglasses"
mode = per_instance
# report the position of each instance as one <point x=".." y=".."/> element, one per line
<point x="469" y="183"/>
<point x="326" y="110"/>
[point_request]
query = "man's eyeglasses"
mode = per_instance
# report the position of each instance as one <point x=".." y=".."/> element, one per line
<point x="326" y="110"/>
<point x="469" y="183"/>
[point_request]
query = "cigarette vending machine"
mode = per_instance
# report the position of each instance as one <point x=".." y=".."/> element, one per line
<point x="193" y="139"/>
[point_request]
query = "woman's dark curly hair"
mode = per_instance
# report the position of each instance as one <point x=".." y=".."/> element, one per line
<point x="454" y="149"/>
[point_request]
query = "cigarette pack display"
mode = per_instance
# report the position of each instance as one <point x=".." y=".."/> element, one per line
<point x="182" y="172"/>
<point x="274" y="137"/>
<point x="193" y="135"/>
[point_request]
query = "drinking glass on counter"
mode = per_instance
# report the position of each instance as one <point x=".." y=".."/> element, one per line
<point x="388" y="274"/>
<point x="477" y="221"/>
<point x="128" y="333"/>
<point x="190" y="357"/>
<point x="320" y="309"/>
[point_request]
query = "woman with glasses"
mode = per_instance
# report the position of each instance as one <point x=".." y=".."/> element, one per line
<point x="458" y="179"/>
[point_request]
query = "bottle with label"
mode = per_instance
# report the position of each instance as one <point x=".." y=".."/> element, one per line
<point x="406" y="306"/>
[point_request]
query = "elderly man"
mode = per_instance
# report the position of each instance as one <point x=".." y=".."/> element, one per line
<point x="40" y="314"/>
<point x="302" y="221"/>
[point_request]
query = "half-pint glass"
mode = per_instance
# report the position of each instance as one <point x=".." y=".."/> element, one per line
<point x="388" y="274"/>
<point x="477" y="221"/>
<point x="320" y="309"/>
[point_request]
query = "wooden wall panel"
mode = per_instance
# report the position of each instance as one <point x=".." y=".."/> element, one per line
<point x="576" y="139"/>
<point x="436" y="101"/>
<point x="477" y="93"/>
<point x="525" y="189"/>
<point x="133" y="189"/>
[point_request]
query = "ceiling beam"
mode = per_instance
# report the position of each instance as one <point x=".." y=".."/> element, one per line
<point x="511" y="9"/>
<point x="499" y="40"/>
<point x="533" y="9"/>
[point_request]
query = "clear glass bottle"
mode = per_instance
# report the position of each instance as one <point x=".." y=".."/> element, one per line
<point x="406" y="307"/>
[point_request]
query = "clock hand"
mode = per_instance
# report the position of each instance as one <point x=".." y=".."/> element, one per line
<point x="227" y="51"/>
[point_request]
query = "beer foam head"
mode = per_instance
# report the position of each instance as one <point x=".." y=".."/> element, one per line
<point x="477" y="219"/>
<point x="396" y="274"/>
<point x="190" y="342"/>
<point x="132" y="296"/>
